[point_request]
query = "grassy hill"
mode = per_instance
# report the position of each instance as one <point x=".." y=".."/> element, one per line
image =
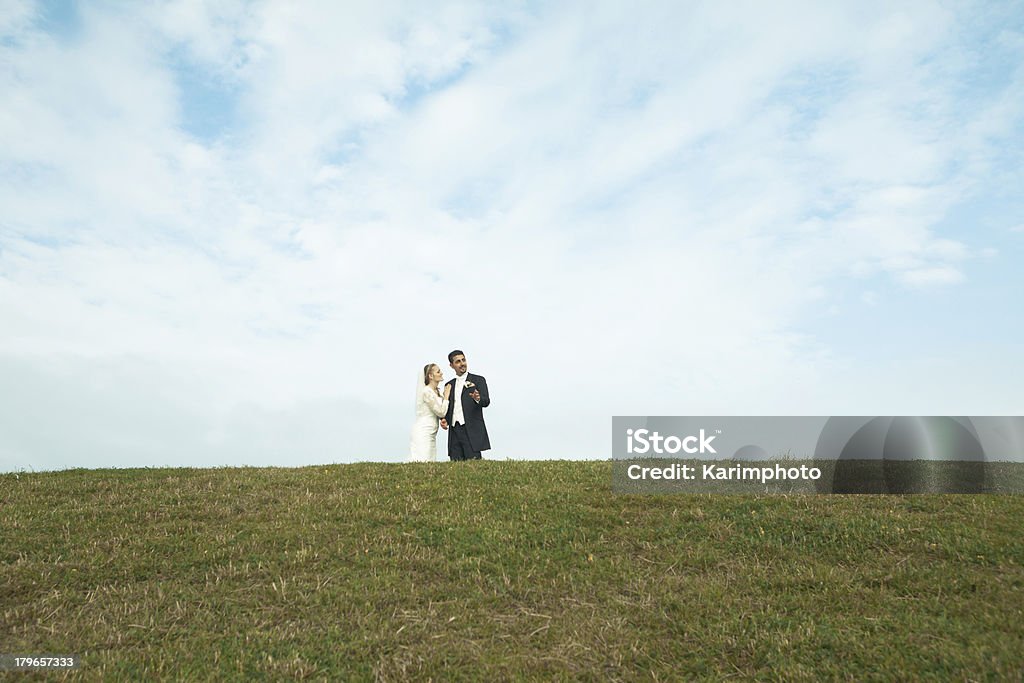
<point x="500" y="570"/>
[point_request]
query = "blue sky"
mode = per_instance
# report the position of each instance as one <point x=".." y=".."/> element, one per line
<point x="232" y="232"/>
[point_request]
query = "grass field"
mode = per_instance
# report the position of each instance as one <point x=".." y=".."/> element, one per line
<point x="500" y="570"/>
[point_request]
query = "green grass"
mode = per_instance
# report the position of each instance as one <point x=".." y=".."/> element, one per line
<point x="500" y="570"/>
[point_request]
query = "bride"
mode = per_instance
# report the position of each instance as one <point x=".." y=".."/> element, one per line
<point x="430" y="406"/>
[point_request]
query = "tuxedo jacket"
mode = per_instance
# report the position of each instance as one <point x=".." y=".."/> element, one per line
<point x="473" y="411"/>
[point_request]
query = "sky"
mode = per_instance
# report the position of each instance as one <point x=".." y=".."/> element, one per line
<point x="232" y="233"/>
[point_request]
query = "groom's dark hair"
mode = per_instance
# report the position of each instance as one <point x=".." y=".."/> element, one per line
<point x="454" y="353"/>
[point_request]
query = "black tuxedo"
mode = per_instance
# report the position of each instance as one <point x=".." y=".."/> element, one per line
<point x="474" y="429"/>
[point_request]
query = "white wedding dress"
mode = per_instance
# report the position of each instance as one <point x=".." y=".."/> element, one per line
<point x="429" y="409"/>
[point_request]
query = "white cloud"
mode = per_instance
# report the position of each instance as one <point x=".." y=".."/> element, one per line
<point x="611" y="213"/>
<point x="15" y="16"/>
<point x="923" y="277"/>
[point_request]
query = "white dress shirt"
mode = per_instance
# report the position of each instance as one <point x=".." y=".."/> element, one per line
<point x="458" y="417"/>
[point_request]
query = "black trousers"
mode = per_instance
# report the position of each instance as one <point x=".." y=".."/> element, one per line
<point x="459" y="447"/>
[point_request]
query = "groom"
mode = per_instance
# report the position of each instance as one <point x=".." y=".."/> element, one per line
<point x="468" y="433"/>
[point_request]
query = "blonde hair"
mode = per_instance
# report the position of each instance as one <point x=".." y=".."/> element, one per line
<point x="427" y="369"/>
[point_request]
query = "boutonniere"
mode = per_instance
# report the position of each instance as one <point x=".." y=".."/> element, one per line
<point x="470" y="386"/>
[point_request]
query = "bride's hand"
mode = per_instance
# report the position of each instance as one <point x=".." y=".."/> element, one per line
<point x="447" y="390"/>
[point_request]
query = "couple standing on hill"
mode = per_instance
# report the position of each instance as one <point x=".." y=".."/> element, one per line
<point x="463" y="418"/>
